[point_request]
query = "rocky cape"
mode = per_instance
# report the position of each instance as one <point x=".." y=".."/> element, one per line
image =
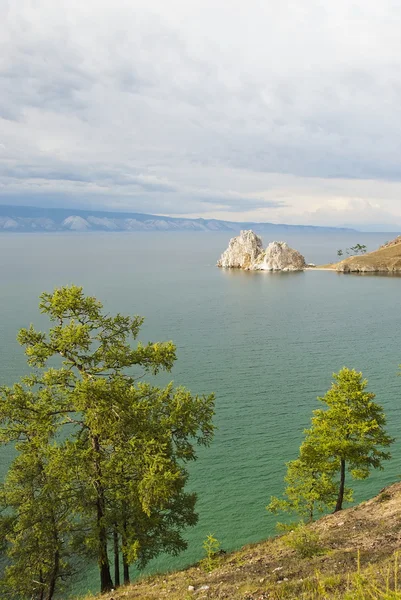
<point x="246" y="252"/>
<point x="387" y="259"/>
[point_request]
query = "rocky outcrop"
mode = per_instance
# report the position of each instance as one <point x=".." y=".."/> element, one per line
<point x="354" y="265"/>
<point x="242" y="251"/>
<point x="392" y="243"/>
<point x="246" y="252"/>
<point x="278" y="256"/>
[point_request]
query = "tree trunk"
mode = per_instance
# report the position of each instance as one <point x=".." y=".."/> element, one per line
<point x="54" y="575"/>
<point x="126" y="570"/>
<point x="56" y="560"/>
<point x="340" y="498"/>
<point x="41" y="594"/>
<point x="106" y="583"/>
<point x="311" y="507"/>
<point x="116" y="558"/>
<point x="125" y="560"/>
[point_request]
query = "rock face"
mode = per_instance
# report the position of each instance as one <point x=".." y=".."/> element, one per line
<point x="246" y="252"/>
<point x="278" y="256"/>
<point x="242" y="251"/>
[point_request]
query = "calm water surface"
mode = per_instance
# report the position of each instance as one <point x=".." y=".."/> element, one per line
<point x="267" y="344"/>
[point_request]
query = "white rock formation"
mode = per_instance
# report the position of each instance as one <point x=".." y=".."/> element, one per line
<point x="278" y="256"/>
<point x="246" y="252"/>
<point x="242" y="251"/>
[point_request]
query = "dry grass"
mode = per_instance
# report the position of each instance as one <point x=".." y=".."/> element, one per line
<point x="386" y="259"/>
<point x="357" y="561"/>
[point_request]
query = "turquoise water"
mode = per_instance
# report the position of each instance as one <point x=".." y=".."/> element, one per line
<point x="267" y="344"/>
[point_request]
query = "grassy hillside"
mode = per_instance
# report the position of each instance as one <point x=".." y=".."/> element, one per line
<point x="385" y="259"/>
<point x="351" y="555"/>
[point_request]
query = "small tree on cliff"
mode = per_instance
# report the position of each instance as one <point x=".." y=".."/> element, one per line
<point x="118" y="446"/>
<point x="311" y="488"/>
<point x="348" y="435"/>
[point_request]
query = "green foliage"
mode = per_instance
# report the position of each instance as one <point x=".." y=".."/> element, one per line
<point x="108" y="450"/>
<point x="304" y="541"/>
<point x="367" y="585"/>
<point x="211" y="547"/>
<point x="348" y="434"/>
<point x="310" y="486"/>
<point x="357" y="249"/>
<point x="340" y="252"/>
<point x="34" y="525"/>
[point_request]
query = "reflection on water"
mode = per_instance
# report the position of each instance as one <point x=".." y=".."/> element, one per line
<point x="244" y="273"/>
<point x="371" y="273"/>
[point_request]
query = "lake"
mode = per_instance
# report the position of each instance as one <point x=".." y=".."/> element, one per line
<point x="265" y="343"/>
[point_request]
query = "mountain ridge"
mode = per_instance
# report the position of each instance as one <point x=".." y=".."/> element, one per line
<point x="39" y="219"/>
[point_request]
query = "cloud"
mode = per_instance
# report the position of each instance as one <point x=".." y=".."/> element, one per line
<point x="238" y="203"/>
<point x="275" y="110"/>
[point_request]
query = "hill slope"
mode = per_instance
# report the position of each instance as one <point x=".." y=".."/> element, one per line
<point x="355" y="562"/>
<point x="386" y="259"/>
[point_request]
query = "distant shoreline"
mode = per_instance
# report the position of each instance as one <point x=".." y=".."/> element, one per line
<point x="320" y="268"/>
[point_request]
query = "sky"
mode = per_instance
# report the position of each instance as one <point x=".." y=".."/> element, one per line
<point x="286" y="111"/>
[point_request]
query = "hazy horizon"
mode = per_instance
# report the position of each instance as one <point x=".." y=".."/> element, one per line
<point x="21" y="211"/>
<point x="244" y="111"/>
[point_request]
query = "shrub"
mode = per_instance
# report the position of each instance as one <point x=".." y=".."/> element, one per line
<point x="211" y="546"/>
<point x="304" y="541"/>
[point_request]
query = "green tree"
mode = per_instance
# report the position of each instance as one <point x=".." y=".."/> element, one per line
<point x="119" y="444"/>
<point x="310" y="488"/>
<point x="36" y="529"/>
<point x="35" y="523"/>
<point x="340" y="253"/>
<point x="350" y="433"/>
<point x="359" y="249"/>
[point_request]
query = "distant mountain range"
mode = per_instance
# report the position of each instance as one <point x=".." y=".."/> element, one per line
<point x="35" y="219"/>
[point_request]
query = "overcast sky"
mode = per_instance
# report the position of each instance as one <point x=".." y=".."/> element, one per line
<point x="264" y="110"/>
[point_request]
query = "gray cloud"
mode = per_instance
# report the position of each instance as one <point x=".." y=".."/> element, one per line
<point x="235" y="203"/>
<point x="250" y="110"/>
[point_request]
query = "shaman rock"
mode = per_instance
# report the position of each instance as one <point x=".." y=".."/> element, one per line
<point x="246" y="252"/>
<point x="278" y="256"/>
<point x="242" y="251"/>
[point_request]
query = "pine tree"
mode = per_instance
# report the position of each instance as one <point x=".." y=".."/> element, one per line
<point x="310" y="488"/>
<point x="119" y="445"/>
<point x="349" y="434"/>
<point x="35" y="524"/>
